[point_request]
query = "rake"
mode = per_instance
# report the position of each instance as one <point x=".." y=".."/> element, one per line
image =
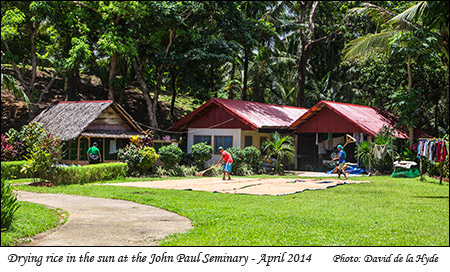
<point x="348" y="140"/>
<point x="200" y="174"/>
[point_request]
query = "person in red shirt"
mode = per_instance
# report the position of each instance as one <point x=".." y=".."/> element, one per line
<point x="228" y="162"/>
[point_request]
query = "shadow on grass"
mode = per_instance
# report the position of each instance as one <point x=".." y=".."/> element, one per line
<point x="443" y="197"/>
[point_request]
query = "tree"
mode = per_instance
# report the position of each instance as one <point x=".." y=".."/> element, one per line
<point x="397" y="33"/>
<point x="307" y="42"/>
<point x="23" y="27"/>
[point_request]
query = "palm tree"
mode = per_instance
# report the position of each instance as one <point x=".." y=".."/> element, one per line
<point x="10" y="83"/>
<point x="279" y="147"/>
<point x="414" y="18"/>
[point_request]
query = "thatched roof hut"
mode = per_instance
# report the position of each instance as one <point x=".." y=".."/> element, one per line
<point x="80" y="122"/>
<point x="70" y="119"/>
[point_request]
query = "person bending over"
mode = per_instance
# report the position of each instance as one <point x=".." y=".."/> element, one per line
<point x="226" y="157"/>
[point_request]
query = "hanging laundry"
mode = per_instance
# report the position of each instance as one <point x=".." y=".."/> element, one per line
<point x="434" y="150"/>
<point x="380" y="151"/>
<point x="337" y="141"/>
<point x="321" y="148"/>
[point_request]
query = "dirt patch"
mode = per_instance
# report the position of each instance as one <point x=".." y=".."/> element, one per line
<point x="43" y="184"/>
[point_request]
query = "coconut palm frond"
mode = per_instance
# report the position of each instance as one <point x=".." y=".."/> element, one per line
<point x="10" y="83"/>
<point x="412" y="13"/>
<point x="376" y="13"/>
<point x="404" y="20"/>
<point x="367" y="45"/>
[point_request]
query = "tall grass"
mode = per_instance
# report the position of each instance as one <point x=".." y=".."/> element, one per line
<point x="9" y="205"/>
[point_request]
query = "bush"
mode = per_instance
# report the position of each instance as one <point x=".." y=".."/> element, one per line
<point x="9" y="205"/>
<point x="252" y="157"/>
<point x="170" y="155"/>
<point x="44" y="154"/>
<point x="24" y="139"/>
<point x="237" y="155"/>
<point x="90" y="173"/>
<point x="201" y="153"/>
<point x="9" y="153"/>
<point x="149" y="157"/>
<point x="177" y="171"/>
<point x="12" y="170"/>
<point x="364" y="154"/>
<point x="140" y="159"/>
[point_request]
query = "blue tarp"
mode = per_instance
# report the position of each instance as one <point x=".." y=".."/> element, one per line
<point x="349" y="170"/>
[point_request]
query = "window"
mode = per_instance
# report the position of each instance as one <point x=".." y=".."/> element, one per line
<point x="248" y="141"/>
<point x="202" y="139"/>
<point x="223" y="141"/>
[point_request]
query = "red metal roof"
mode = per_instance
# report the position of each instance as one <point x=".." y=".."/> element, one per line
<point x="369" y="120"/>
<point x="253" y="114"/>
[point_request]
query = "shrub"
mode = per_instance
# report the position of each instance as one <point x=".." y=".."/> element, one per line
<point x="237" y="155"/>
<point x="252" y="157"/>
<point x="279" y="147"/>
<point x="149" y="157"/>
<point x="201" y="153"/>
<point x="12" y="170"/>
<point x="24" y="139"/>
<point x="9" y="153"/>
<point x="9" y="205"/>
<point x="364" y="154"/>
<point x="139" y="159"/>
<point x="44" y="153"/>
<point x="177" y="171"/>
<point x="131" y="156"/>
<point x="170" y="155"/>
<point x="238" y="158"/>
<point x="90" y="173"/>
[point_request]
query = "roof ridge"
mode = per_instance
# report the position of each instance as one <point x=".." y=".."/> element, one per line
<point x="267" y="104"/>
<point x="85" y="101"/>
<point x="343" y="103"/>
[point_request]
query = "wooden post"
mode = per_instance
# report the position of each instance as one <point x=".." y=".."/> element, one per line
<point x="103" y="148"/>
<point x="78" y="149"/>
<point x="441" y="170"/>
<point x="392" y="156"/>
<point x="69" y="143"/>
<point x="420" y="168"/>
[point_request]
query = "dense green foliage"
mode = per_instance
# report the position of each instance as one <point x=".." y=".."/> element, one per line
<point x="282" y="52"/>
<point x="89" y="173"/>
<point x="279" y="148"/>
<point x="238" y="158"/>
<point x="140" y="159"/>
<point x="70" y="175"/>
<point x="177" y="171"/>
<point x="12" y="170"/>
<point x="41" y="148"/>
<point x="9" y="205"/>
<point x="252" y="157"/>
<point x="201" y="153"/>
<point x="387" y="212"/>
<point x="170" y="155"/>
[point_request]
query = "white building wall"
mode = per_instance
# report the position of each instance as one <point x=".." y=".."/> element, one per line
<point x="235" y="133"/>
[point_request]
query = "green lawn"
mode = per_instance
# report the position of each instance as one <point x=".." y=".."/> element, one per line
<point x="30" y="219"/>
<point x="387" y="212"/>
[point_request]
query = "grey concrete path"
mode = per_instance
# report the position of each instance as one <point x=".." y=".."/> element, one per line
<point x="105" y="222"/>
